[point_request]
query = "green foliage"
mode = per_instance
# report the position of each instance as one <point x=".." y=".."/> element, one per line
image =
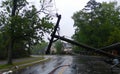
<point x="96" y="24"/>
<point x="59" y="46"/>
<point x="26" y="27"/>
<point x="114" y="36"/>
<point x="39" y="48"/>
<point x="24" y="63"/>
<point x="3" y="47"/>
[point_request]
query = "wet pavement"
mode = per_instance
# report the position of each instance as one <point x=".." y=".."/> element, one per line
<point x="93" y="65"/>
<point x="71" y="65"/>
<point x="54" y="66"/>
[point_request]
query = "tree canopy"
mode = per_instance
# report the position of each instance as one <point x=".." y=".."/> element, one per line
<point x="59" y="46"/>
<point x="23" y="25"/>
<point x="39" y="48"/>
<point x="97" y="24"/>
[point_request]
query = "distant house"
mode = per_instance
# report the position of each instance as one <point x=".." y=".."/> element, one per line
<point x="53" y="49"/>
<point x="67" y="47"/>
<point x="113" y="49"/>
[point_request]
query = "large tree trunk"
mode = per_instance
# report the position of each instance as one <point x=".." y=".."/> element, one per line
<point x="9" y="54"/>
<point x="29" y="49"/>
<point x="11" y="45"/>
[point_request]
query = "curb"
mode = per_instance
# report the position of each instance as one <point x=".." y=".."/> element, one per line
<point x="23" y="66"/>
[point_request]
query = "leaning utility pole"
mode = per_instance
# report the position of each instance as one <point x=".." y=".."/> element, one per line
<point x="53" y="34"/>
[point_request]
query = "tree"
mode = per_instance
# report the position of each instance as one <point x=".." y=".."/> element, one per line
<point x="95" y="23"/>
<point x="3" y="52"/>
<point x="39" y="48"/>
<point x="114" y="36"/>
<point x="59" y="46"/>
<point x="23" y="27"/>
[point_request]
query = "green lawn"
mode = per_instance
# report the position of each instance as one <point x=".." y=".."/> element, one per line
<point x="24" y="63"/>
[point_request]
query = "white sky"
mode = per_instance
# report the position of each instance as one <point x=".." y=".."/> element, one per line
<point x="67" y="8"/>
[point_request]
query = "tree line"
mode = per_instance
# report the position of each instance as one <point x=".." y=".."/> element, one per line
<point x="97" y="24"/>
<point x="22" y="26"/>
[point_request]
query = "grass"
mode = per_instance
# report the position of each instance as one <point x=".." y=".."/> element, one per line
<point x="28" y="61"/>
<point x="4" y="66"/>
<point x="24" y="63"/>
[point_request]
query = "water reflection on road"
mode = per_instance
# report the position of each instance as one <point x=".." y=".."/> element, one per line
<point x="48" y="67"/>
<point x="70" y="65"/>
<point x="93" y="65"/>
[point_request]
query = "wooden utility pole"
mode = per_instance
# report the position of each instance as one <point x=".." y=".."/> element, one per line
<point x="52" y="36"/>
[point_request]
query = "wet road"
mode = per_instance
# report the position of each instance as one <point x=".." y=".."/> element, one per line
<point x="57" y="65"/>
<point x="71" y="65"/>
<point x="93" y="65"/>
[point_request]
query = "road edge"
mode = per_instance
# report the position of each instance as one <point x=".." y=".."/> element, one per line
<point x="22" y="66"/>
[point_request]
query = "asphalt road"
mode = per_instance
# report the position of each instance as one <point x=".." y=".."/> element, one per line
<point x="71" y="65"/>
<point x="57" y="65"/>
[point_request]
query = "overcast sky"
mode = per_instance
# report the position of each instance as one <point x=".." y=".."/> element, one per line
<point x="67" y="8"/>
